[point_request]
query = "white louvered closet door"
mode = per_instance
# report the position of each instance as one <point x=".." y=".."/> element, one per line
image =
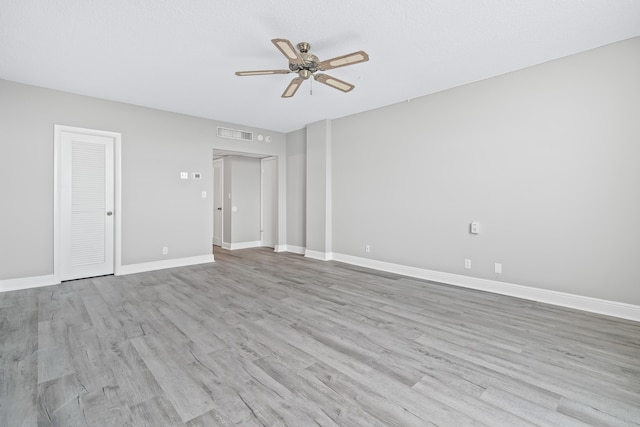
<point x="87" y="202"/>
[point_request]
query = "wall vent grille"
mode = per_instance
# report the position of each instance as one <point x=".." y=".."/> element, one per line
<point x="235" y="134"/>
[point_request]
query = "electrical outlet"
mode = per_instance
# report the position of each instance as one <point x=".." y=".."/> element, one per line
<point x="498" y="268"/>
<point x="367" y="248"/>
<point x="467" y="263"/>
<point x="165" y="250"/>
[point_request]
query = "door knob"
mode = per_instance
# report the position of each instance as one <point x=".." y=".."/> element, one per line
<point x="109" y="213"/>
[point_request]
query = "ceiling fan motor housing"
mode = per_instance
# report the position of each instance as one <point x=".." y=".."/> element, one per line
<point x="310" y="64"/>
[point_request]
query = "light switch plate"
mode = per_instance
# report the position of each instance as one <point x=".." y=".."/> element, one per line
<point x="474" y="228"/>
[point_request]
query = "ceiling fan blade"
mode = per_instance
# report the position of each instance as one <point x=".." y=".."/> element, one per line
<point x="333" y="82"/>
<point x="288" y="50"/>
<point x="261" y="72"/>
<point x="293" y="87"/>
<point x="341" y="61"/>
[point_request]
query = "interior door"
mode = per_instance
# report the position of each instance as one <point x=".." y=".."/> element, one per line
<point x="269" y="214"/>
<point x="217" y="201"/>
<point x="86" y="204"/>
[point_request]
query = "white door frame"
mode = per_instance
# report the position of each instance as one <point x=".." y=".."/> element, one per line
<point x="219" y="186"/>
<point x="274" y="200"/>
<point x="57" y="205"/>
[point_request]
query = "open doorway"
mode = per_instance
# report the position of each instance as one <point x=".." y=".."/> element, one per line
<point x="245" y="200"/>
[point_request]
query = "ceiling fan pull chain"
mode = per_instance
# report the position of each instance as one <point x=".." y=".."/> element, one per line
<point x="311" y="90"/>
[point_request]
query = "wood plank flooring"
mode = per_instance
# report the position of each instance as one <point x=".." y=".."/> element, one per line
<point x="266" y="339"/>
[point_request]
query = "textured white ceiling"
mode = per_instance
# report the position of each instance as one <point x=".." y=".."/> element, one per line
<point x="181" y="55"/>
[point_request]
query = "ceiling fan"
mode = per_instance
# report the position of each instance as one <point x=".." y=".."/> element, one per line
<point x="307" y="64"/>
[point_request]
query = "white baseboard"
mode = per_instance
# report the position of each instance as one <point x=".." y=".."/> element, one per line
<point x="594" y="305"/>
<point x="160" y="265"/>
<point x="242" y="245"/>
<point x="294" y="249"/>
<point x="39" y="281"/>
<point x="27" y="283"/>
<point x="322" y="256"/>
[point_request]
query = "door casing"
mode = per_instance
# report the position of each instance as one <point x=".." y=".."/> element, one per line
<point x="269" y="201"/>
<point x="59" y="130"/>
<point x="218" y="201"/>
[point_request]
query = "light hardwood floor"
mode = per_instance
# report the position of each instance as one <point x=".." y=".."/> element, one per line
<point x="260" y="338"/>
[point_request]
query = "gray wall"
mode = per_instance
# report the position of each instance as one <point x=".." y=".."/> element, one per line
<point x="547" y="159"/>
<point x="296" y="188"/>
<point x="318" y="194"/>
<point x="158" y="209"/>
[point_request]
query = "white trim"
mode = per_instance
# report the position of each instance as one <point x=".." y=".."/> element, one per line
<point x="57" y="240"/>
<point x="328" y="208"/>
<point x="262" y="198"/>
<point x="562" y="299"/>
<point x="293" y="249"/>
<point x="27" y="283"/>
<point x="160" y="265"/>
<point x="117" y="188"/>
<point x="242" y="245"/>
<point x="322" y="256"/>
<point x="220" y="164"/>
<point x="57" y="220"/>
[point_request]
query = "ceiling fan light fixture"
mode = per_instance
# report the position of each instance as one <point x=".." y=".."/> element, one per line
<point x="304" y="73"/>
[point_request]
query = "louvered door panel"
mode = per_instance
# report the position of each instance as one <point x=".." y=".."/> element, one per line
<point x="87" y="204"/>
<point x="87" y="198"/>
